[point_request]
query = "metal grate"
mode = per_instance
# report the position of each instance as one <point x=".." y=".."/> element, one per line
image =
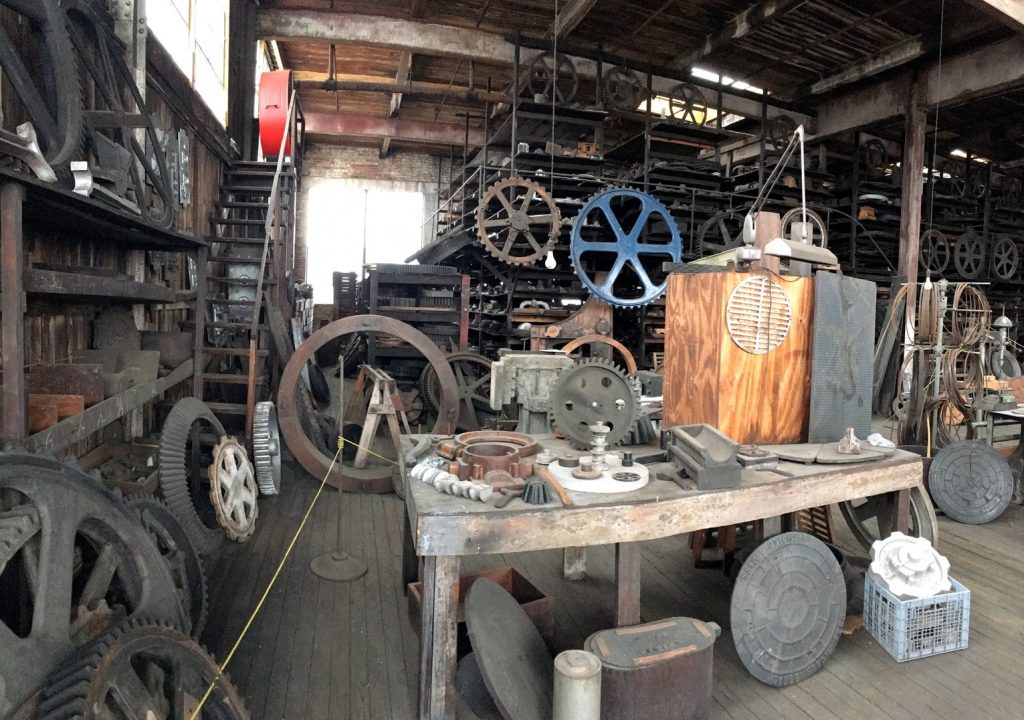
<point x="758" y="315"/>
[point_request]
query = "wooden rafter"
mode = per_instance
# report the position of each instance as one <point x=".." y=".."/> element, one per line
<point x="739" y="27"/>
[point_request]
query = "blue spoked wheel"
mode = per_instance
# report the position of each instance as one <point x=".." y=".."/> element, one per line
<point x="620" y="240"/>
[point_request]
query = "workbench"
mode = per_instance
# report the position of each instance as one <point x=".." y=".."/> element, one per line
<point x="443" y="528"/>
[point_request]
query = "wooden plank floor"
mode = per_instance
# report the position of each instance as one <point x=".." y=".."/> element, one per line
<point x="347" y="651"/>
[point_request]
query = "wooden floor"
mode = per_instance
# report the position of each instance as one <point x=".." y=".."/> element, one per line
<point x="348" y="651"/>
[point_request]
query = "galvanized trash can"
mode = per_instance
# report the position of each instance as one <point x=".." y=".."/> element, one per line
<point x="658" y="670"/>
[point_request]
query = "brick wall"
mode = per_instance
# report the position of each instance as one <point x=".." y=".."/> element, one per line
<point x="363" y="168"/>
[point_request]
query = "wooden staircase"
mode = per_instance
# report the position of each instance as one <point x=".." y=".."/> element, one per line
<point x="238" y="235"/>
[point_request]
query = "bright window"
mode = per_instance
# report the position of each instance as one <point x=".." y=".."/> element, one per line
<point x="342" y="219"/>
<point x="195" y="33"/>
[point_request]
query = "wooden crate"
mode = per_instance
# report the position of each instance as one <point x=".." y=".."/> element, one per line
<point x="710" y="379"/>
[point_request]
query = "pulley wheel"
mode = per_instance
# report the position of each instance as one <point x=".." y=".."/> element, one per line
<point x="788" y="609"/>
<point x="970" y="482"/>
<point x="969" y="255"/>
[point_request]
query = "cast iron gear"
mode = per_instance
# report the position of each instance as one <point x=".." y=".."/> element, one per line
<point x="969" y="255"/>
<point x="233" y="489"/>
<point x="473" y="380"/>
<point x="508" y="226"/>
<point x="174" y="487"/>
<point x="266" y="448"/>
<point x="619" y="242"/>
<point x="1005" y="256"/>
<point x="140" y="670"/>
<point x="594" y="391"/>
<point x="554" y="78"/>
<point x="179" y="556"/>
<point x="74" y="562"/>
<point x="623" y="89"/>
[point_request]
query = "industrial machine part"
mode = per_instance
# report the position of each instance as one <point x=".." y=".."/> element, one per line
<point x="142" y="670"/>
<point x="536" y="493"/>
<point x="758" y="315"/>
<point x="181" y="559"/>
<point x="788" y="608"/>
<point x="599" y="444"/>
<point x="577" y="692"/>
<point x="513" y="659"/>
<point x="23" y="144"/>
<point x="874" y="155"/>
<point x="276" y="89"/>
<point x="176" y="485"/>
<point x="720" y="232"/>
<point x="312" y="459"/>
<point x="75" y="562"/>
<point x="512" y="226"/>
<point x="873" y="518"/>
<point x="704" y="454"/>
<point x="233" y="489"/>
<point x="581" y="475"/>
<point x="1005" y="257"/>
<point x="473" y="379"/>
<point x="432" y="471"/>
<point x="499" y="464"/>
<point x="969" y="255"/>
<point x="129" y="174"/>
<point x="524" y="445"/>
<point x="777" y="132"/>
<point x="1001" y="361"/>
<point x="594" y="391"/>
<point x="46" y="83"/>
<point x="627" y="357"/>
<point x="623" y="89"/>
<point x="909" y="566"/>
<point x="812" y="231"/>
<point x="553" y="78"/>
<point x="970" y="482"/>
<point x="686" y="102"/>
<point x="935" y="252"/>
<point x="526" y="379"/>
<point x="266" y="448"/>
<point x="661" y="669"/>
<point x="620" y="240"/>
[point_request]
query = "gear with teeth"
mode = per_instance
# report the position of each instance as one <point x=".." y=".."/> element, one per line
<point x="508" y="221"/>
<point x="233" y="489"/>
<point x="266" y="448"/>
<point x="140" y="670"/>
<point x="620" y="240"/>
<point x="594" y="391"/>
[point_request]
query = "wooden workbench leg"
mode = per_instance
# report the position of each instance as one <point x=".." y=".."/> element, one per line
<point x="574" y="563"/>
<point x="627" y="584"/>
<point x="437" y="638"/>
<point x="13" y="423"/>
<point x="902" y="511"/>
<point x="410" y="561"/>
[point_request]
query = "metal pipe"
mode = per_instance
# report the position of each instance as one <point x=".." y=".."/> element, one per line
<point x="577" y="693"/>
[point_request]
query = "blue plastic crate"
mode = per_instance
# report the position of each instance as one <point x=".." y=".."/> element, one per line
<point x="917" y="628"/>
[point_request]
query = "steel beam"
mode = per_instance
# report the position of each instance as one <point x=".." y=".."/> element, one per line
<point x="367" y="126"/>
<point x="739" y="27"/>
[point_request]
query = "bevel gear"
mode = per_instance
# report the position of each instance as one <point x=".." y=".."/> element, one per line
<point x="233" y="489"/>
<point x="594" y="391"/>
<point x="266" y="448"/>
<point x="506" y="226"/>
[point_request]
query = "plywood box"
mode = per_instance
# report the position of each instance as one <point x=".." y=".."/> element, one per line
<point x="709" y="378"/>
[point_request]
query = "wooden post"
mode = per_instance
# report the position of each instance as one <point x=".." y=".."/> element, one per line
<point x="200" y="322"/>
<point x="574" y="563"/>
<point x="913" y="185"/>
<point x="627" y="584"/>
<point x="438" y="638"/>
<point x="13" y="426"/>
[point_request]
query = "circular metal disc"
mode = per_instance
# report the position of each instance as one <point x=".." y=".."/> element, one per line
<point x="515" y="663"/>
<point x="788" y="608"/>
<point x="470" y="684"/>
<point x="338" y="566"/>
<point x="970" y="482"/>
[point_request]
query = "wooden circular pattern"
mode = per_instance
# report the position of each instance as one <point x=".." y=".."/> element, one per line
<point x="758" y="315"/>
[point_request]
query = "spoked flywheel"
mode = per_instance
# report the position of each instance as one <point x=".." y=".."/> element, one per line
<point x="874" y="518"/>
<point x="473" y="379"/>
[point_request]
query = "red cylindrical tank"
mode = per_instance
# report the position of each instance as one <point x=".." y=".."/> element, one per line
<point x="275" y="94"/>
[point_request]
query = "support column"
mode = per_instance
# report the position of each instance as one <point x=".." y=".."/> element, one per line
<point x="627" y="582"/>
<point x="438" y="638"/>
<point x="199" y="315"/>
<point x="242" y="75"/>
<point x="913" y="185"/>
<point x="13" y="424"/>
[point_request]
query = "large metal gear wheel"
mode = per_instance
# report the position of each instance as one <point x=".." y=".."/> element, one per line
<point x="140" y="670"/>
<point x="175" y="487"/>
<point x="473" y="379"/>
<point x="554" y="78"/>
<point x="935" y="253"/>
<point x="512" y="226"/>
<point x="969" y="255"/>
<point x="594" y="391"/>
<point x="628" y="235"/>
<point x="720" y="232"/>
<point x="74" y="561"/>
<point x="623" y="89"/>
<point x="233" y="489"/>
<point x="687" y="103"/>
<point x="54" y="105"/>
<point x="1005" y="258"/>
<point x="179" y="556"/>
<point x="266" y="448"/>
<point x="872" y="518"/>
<point x="970" y="482"/>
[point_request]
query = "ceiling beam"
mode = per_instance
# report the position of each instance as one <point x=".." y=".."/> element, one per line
<point x="401" y="78"/>
<point x="569" y="16"/>
<point x="899" y="54"/>
<point x="350" y="125"/>
<point x="306" y="81"/>
<point x="416" y="8"/>
<point x="738" y="28"/>
<point x="1008" y="12"/>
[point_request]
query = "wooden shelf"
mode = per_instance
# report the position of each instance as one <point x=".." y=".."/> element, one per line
<point x="97" y="287"/>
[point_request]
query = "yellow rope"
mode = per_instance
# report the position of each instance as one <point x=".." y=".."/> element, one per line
<point x="280" y="565"/>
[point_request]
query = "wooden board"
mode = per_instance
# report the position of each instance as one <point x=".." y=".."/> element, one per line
<point x="68" y="379"/>
<point x="67" y="405"/>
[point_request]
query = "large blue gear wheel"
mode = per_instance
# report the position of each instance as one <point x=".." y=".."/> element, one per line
<point x="601" y="230"/>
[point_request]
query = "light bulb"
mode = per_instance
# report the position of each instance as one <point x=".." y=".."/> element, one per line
<point x="549" y="261"/>
<point x="927" y="282"/>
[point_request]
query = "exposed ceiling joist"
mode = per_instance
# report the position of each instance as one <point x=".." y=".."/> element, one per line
<point x="349" y="125"/>
<point x="569" y="16"/>
<point x="739" y="27"/>
<point x="1008" y="12"/>
<point x="307" y="81"/>
<point x="401" y="78"/>
<point x="895" y="56"/>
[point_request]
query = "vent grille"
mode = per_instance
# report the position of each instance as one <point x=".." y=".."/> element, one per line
<point x="758" y="315"/>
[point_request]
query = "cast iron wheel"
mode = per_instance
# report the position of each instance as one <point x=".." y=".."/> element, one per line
<point x="473" y="378"/>
<point x="686" y="103"/>
<point x="1005" y="256"/>
<point x="554" y="78"/>
<point x="969" y="255"/>
<point x="934" y="251"/>
<point x="722" y="231"/>
<point x="73" y="562"/>
<point x="872" y="518"/>
<point x="145" y="671"/>
<point x="623" y="89"/>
